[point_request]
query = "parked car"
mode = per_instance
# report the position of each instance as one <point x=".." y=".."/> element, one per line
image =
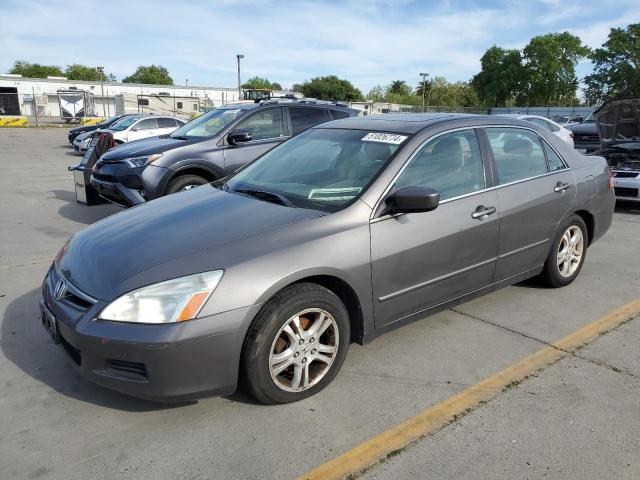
<point x="339" y="234"/>
<point x="74" y="132"/>
<point x="547" y="124"/>
<point x="209" y="147"/>
<point x="143" y="126"/>
<point x="618" y="124"/>
<point x="585" y="135"/>
<point x="82" y="141"/>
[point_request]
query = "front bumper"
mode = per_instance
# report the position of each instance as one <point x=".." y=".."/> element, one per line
<point x="126" y="186"/>
<point x="166" y="363"/>
<point x="116" y="192"/>
<point x="626" y="188"/>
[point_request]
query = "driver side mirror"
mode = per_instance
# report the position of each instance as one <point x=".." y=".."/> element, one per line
<point x="238" y="136"/>
<point x="413" y="200"/>
<point x="135" y="129"/>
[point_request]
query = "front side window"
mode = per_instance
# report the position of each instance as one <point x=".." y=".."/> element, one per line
<point x="322" y="169"/>
<point x="146" y="124"/>
<point x="450" y="164"/>
<point x="263" y="125"/>
<point x="517" y="152"/>
<point x="304" y="118"/>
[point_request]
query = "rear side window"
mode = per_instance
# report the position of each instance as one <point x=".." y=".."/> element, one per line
<point x="555" y="162"/>
<point x="303" y="118"/>
<point x="146" y="124"/>
<point x="517" y="152"/>
<point x="336" y="114"/>
<point x="166" y="123"/>
<point x="265" y="124"/>
<point x="450" y="164"/>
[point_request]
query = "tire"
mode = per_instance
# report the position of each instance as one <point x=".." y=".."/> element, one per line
<point x="559" y="272"/>
<point x="314" y="306"/>
<point x="184" y="182"/>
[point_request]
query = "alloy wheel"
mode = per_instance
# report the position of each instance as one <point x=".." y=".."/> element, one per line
<point x="570" y="251"/>
<point x="303" y="350"/>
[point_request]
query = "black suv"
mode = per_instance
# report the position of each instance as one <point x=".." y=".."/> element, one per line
<point x="206" y="149"/>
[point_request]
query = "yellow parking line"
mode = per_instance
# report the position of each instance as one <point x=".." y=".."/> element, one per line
<point x="396" y="438"/>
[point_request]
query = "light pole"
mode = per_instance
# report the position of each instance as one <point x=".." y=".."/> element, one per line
<point x="186" y="82"/>
<point x="239" y="86"/>
<point x="424" y="89"/>
<point x="101" y="70"/>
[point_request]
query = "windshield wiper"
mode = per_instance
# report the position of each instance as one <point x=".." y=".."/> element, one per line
<point x="266" y="196"/>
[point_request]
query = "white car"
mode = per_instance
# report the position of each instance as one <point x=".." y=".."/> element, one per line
<point x="558" y="130"/>
<point x="81" y="142"/>
<point x="137" y="127"/>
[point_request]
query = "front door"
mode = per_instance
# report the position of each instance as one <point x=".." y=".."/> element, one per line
<point x="267" y="130"/>
<point x="420" y="260"/>
<point x="535" y="190"/>
<point x="145" y="128"/>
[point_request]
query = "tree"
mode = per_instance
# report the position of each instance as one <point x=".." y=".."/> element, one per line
<point x="616" y="66"/>
<point x="549" y="64"/>
<point x="399" y="87"/>
<point x="377" y="94"/>
<point x="331" y="88"/>
<point x="501" y="76"/>
<point x="82" y="72"/>
<point x="260" y="83"/>
<point x="152" y="75"/>
<point x="35" y="70"/>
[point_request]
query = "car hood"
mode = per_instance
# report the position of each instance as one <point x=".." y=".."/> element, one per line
<point x="142" y="147"/>
<point x="102" y="259"/>
<point x="618" y="121"/>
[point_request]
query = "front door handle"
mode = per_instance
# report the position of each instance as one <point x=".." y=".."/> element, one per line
<point x="561" y="187"/>
<point x="481" y="212"/>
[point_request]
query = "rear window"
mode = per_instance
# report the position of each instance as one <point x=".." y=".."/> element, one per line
<point x="304" y="118"/>
<point x="336" y="114"/>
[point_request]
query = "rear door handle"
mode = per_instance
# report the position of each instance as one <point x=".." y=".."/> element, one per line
<point x="561" y="187"/>
<point x="481" y="212"/>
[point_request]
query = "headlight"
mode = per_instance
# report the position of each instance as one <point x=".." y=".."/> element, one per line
<point x="165" y="302"/>
<point x="135" y="162"/>
<point x="61" y="253"/>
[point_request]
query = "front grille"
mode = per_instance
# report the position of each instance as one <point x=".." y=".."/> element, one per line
<point x="625" y="174"/>
<point x="72" y="295"/>
<point x="586" y="137"/>
<point x="626" y="192"/>
<point x="129" y="370"/>
<point x="73" y="352"/>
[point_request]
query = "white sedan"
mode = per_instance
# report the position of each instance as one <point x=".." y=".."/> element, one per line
<point x="137" y="127"/>
<point x="558" y="130"/>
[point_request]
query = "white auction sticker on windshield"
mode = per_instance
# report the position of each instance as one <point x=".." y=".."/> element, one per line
<point x="392" y="138"/>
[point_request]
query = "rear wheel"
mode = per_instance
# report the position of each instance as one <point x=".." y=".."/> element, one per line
<point x="296" y="345"/>
<point x="567" y="254"/>
<point x="185" y="182"/>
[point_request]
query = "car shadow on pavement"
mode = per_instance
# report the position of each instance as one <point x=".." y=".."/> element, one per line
<point x="79" y="212"/>
<point x="630" y="208"/>
<point x="26" y="344"/>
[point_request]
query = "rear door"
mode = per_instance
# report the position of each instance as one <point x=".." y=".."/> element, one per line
<point x="420" y="260"/>
<point x="267" y="129"/>
<point x="534" y="191"/>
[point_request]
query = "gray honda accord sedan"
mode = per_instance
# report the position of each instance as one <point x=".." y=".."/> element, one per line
<point x="344" y="232"/>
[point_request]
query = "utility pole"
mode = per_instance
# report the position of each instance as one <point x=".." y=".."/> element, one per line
<point x="239" y="84"/>
<point x="101" y="70"/>
<point x="424" y="88"/>
<point x="186" y="82"/>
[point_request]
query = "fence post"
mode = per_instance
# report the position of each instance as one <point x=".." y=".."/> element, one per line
<point x="35" y="104"/>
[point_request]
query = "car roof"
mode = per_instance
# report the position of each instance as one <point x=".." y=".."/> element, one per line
<point x="287" y="102"/>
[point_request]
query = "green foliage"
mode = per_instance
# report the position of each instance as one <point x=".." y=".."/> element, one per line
<point x="377" y="94"/>
<point x="500" y="78"/>
<point x="549" y="68"/>
<point x="616" y="66"/>
<point x="35" y="70"/>
<point x="399" y="87"/>
<point x="82" y="72"/>
<point x="260" y="83"/>
<point x="152" y="75"/>
<point x="438" y="92"/>
<point x="330" y="88"/>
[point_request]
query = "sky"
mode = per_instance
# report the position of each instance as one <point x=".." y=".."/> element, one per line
<point x="368" y="42"/>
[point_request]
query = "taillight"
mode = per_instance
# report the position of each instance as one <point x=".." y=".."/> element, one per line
<point x="610" y="178"/>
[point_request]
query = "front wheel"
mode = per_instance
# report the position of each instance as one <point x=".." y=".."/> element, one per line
<point x="296" y="345"/>
<point x="185" y="182"/>
<point x="567" y="254"/>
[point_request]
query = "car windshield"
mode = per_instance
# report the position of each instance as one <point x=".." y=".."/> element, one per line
<point x="123" y="124"/>
<point x="208" y="124"/>
<point x="322" y="169"/>
<point x="589" y="118"/>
